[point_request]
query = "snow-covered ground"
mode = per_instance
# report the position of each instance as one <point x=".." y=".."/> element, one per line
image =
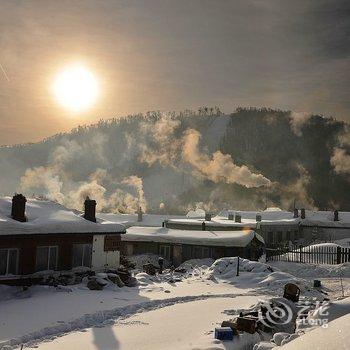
<point x="162" y="312"/>
<point x="178" y="326"/>
<point x="335" y="279"/>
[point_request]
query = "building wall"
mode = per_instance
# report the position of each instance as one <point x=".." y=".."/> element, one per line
<point x="328" y="234"/>
<point x="182" y="252"/>
<point x="27" y="247"/>
<point x="102" y="259"/>
<point x="279" y="234"/>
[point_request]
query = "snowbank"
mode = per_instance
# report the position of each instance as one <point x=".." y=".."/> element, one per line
<point x="331" y="311"/>
<point x="334" y="337"/>
<point x="257" y="275"/>
<point x="142" y="259"/>
<point x="304" y="270"/>
<point x="196" y="264"/>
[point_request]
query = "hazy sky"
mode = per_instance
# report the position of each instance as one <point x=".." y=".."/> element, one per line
<point x="171" y="55"/>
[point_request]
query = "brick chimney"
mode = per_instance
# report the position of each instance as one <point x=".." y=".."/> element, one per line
<point x="90" y="209"/>
<point x="302" y="213"/>
<point x="238" y="218"/>
<point x="336" y="215"/>
<point x="18" y="210"/>
<point x="207" y="217"/>
<point x="295" y="213"/>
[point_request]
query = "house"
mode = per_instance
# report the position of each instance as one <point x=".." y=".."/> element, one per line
<point x="276" y="226"/>
<point x="178" y="246"/>
<point x="38" y="235"/>
<point x="325" y="225"/>
<point x="273" y="224"/>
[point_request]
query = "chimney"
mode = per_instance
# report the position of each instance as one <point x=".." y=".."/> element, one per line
<point x="207" y="217"/>
<point x="238" y="218"/>
<point x="336" y="215"/>
<point x="139" y="215"/>
<point x="90" y="209"/>
<point x="18" y="211"/>
<point x="295" y="213"/>
<point x="258" y="217"/>
<point x="302" y="213"/>
<point x="231" y="217"/>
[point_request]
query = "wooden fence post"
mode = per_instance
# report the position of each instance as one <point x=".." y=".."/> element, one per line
<point x="338" y="255"/>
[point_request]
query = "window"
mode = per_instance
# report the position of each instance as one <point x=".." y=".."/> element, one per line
<point x="296" y="235"/>
<point x="46" y="258"/>
<point x="199" y="252"/>
<point x="270" y="237"/>
<point x="289" y="235"/>
<point x="9" y="261"/>
<point x="164" y="251"/>
<point x="279" y="237"/>
<point x="82" y="255"/>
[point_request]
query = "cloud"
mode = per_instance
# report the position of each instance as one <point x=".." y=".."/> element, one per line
<point x="220" y="167"/>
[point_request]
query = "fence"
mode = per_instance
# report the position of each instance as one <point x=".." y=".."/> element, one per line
<point x="320" y="254"/>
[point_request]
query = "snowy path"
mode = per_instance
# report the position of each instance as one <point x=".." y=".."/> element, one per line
<point x="185" y="325"/>
<point x="48" y="313"/>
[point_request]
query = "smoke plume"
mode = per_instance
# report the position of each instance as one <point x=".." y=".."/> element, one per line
<point x="297" y="120"/>
<point x="55" y="181"/>
<point x="220" y="167"/>
<point x="341" y="161"/>
<point x="163" y="146"/>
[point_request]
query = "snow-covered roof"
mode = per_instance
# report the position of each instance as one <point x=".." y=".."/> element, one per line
<point x="50" y="217"/>
<point x="270" y="216"/>
<point x="326" y="219"/>
<point x="212" y="238"/>
<point x="198" y="213"/>
<point x="131" y="219"/>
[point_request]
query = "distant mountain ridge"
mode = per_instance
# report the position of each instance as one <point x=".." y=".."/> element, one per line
<point x="172" y="162"/>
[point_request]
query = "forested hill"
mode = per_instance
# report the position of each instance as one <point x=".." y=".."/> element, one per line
<point x="172" y="162"/>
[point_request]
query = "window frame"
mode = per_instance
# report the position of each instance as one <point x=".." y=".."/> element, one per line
<point x="48" y="257"/>
<point x="83" y="255"/>
<point x="8" y="260"/>
<point x="166" y="247"/>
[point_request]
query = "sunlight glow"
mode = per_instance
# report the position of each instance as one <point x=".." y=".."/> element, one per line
<point x="76" y="88"/>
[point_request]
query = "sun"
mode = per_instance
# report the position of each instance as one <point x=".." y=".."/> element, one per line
<point x="76" y="88"/>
